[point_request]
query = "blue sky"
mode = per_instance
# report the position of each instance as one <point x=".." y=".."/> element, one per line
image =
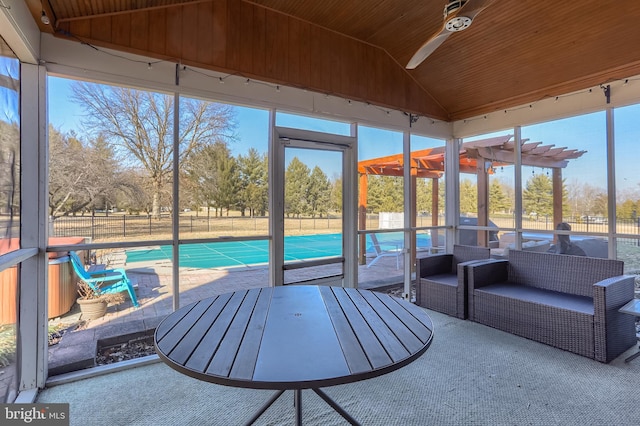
<point x="9" y="101"/>
<point x="252" y="129"/>
<point x="586" y="132"/>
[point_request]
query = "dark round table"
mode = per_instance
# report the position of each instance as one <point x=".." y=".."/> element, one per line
<point x="293" y="337"/>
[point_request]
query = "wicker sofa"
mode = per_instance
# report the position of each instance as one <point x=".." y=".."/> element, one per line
<point x="569" y="302"/>
<point x="441" y="284"/>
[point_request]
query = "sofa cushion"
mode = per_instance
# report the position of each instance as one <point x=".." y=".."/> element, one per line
<point x="556" y="299"/>
<point x="446" y="279"/>
<point x="562" y="273"/>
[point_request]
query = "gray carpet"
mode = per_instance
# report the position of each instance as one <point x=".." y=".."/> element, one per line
<point x="471" y="375"/>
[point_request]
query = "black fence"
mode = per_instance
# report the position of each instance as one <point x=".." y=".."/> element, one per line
<point x="127" y="226"/>
<point x="130" y="226"/>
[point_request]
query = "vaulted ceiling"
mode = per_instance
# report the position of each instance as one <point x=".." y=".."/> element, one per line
<point x="515" y="52"/>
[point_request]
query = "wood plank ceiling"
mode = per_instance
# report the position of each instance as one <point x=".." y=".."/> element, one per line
<point x="515" y="52"/>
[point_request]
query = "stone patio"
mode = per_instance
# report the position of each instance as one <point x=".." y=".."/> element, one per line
<point x="77" y="347"/>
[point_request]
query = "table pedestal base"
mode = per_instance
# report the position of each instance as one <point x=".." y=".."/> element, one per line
<point x="297" y="402"/>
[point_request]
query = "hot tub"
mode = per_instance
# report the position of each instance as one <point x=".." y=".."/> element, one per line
<point x="62" y="283"/>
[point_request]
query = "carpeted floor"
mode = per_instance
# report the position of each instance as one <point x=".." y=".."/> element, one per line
<point x="471" y="375"/>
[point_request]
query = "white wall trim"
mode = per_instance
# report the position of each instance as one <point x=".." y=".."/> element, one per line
<point x="623" y="93"/>
<point x="19" y="30"/>
<point x="74" y="60"/>
<point x="33" y="271"/>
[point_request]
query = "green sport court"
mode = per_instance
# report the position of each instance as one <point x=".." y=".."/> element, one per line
<point x="229" y="254"/>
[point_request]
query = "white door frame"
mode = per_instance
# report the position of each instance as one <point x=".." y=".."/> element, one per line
<point x="281" y="138"/>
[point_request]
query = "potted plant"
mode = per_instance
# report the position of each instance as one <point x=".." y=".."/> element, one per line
<point x="92" y="305"/>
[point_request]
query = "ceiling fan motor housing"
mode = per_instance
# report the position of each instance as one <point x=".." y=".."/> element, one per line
<point x="457" y="23"/>
<point x="452" y="6"/>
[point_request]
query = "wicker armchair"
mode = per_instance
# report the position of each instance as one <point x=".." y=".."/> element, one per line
<point x="441" y="283"/>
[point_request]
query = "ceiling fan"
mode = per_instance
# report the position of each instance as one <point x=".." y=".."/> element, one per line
<point x="458" y="15"/>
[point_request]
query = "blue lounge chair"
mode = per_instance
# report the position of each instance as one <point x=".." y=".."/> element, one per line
<point x="107" y="281"/>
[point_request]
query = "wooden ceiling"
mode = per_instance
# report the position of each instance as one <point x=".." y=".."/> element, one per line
<point x="514" y="53"/>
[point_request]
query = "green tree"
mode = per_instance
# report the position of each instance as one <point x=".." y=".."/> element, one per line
<point x="626" y="210"/>
<point x="374" y="193"/>
<point x="319" y="192"/>
<point x="385" y="194"/>
<point x="537" y="196"/>
<point x="226" y="194"/>
<point x="254" y="183"/>
<point x="213" y="176"/>
<point x="498" y="200"/>
<point x="468" y="197"/>
<point x="424" y="195"/>
<point x="296" y="187"/>
<point x="335" y="202"/>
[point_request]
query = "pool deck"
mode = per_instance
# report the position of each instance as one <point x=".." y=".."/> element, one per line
<point x="77" y="349"/>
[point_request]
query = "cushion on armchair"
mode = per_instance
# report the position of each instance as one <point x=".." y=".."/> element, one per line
<point x="441" y="282"/>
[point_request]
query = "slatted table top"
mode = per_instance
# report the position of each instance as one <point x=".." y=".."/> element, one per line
<point x="293" y="337"/>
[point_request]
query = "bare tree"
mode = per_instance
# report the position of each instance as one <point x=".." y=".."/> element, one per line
<point x="134" y="197"/>
<point x="586" y="199"/>
<point x="140" y="124"/>
<point x="81" y="174"/>
<point x="9" y="180"/>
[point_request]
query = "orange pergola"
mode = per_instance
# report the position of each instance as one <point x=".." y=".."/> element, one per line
<point x="479" y="157"/>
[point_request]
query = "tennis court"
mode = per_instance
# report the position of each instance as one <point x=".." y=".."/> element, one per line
<point x="250" y="253"/>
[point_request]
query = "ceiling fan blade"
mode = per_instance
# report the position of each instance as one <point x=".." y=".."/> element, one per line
<point x="473" y="7"/>
<point x="428" y="48"/>
<point x="470" y="9"/>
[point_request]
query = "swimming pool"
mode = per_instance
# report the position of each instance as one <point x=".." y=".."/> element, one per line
<point x="229" y="254"/>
